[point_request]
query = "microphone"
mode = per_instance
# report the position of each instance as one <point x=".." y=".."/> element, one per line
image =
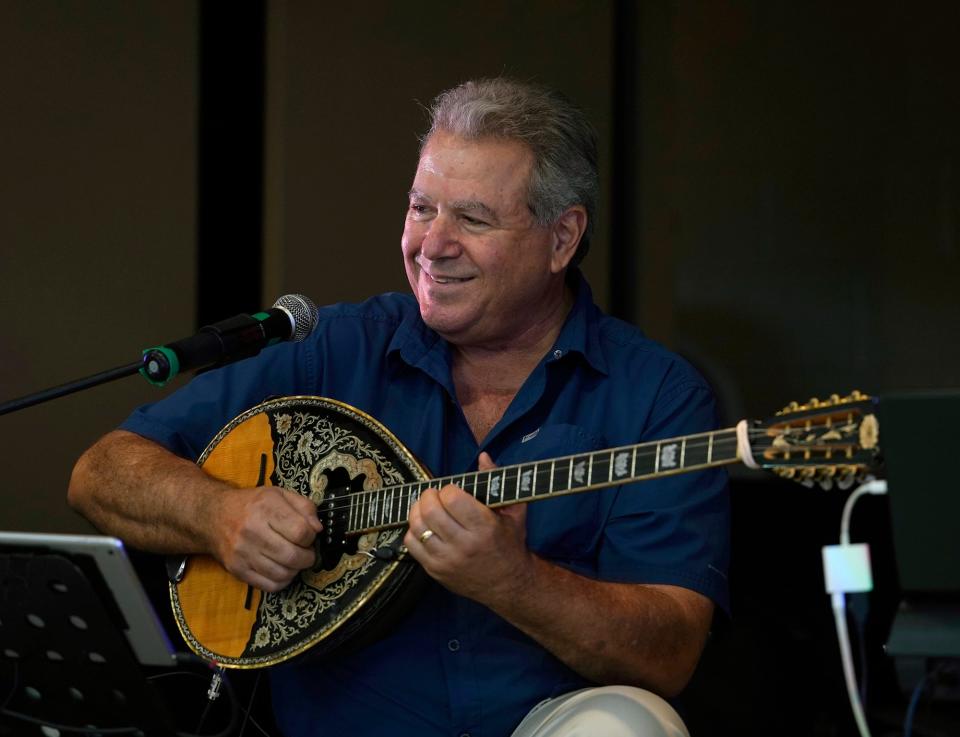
<point x="292" y="317"/>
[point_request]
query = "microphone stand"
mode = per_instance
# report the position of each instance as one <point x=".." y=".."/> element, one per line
<point x="72" y="386"/>
<point x="292" y="317"/>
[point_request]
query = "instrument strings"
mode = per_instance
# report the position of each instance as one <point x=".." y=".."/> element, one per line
<point x="720" y="439"/>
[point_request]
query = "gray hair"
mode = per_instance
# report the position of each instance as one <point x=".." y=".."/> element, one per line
<point x="562" y="140"/>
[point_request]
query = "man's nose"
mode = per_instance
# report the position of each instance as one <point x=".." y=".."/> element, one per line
<point x="442" y="239"/>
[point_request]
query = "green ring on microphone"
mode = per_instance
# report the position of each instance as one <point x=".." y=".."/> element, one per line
<point x="172" y="360"/>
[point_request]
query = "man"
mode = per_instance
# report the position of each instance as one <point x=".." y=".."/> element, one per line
<point x="499" y="357"/>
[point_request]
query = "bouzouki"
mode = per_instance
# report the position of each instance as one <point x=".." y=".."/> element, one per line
<point x="364" y="482"/>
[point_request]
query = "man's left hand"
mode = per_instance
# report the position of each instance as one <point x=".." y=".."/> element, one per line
<point x="474" y="551"/>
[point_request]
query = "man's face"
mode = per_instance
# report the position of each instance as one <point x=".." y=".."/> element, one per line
<point x="479" y="265"/>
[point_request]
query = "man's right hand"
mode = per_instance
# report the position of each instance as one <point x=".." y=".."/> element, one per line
<point x="132" y="488"/>
<point x="265" y="535"/>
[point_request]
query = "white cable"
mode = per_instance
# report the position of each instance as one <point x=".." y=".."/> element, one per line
<point x="849" y="675"/>
<point x="874" y="486"/>
<point x="846" y="568"/>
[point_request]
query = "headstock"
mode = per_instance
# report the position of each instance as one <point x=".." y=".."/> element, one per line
<point x="826" y="442"/>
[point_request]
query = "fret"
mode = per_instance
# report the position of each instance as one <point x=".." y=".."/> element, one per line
<point x="497" y="482"/>
<point x="683" y="452"/>
<point x="389" y="494"/>
<point x="543" y="478"/>
<point x="384" y="510"/>
<point x="553" y="466"/>
<point x="667" y="452"/>
<point x="526" y="481"/>
<point x="725" y="447"/>
<point x="481" y="491"/>
<point x="656" y="459"/>
<point x="469" y="483"/>
<point x="600" y="470"/>
<point x="511" y="479"/>
<point x="710" y="449"/>
<point x="372" y="509"/>
<point x="696" y="453"/>
<point x="590" y="471"/>
<point x="579" y="472"/>
<point x="570" y="475"/>
<point x="370" y="518"/>
<point x="350" y="510"/>
<point x="620" y="465"/>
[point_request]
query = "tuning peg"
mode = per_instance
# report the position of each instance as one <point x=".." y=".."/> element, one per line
<point x="847" y="477"/>
<point x="792" y="407"/>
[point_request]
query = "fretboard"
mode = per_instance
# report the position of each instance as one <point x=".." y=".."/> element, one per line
<point x="389" y="506"/>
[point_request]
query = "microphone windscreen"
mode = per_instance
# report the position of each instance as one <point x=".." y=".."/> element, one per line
<point x="302" y="312"/>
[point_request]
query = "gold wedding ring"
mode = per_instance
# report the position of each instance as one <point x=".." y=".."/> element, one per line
<point x="426" y="535"/>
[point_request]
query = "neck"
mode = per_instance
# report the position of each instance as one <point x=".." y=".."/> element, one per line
<point x="502" y="365"/>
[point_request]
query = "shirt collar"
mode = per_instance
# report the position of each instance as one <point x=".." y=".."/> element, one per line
<point x="421" y="347"/>
<point x="581" y="331"/>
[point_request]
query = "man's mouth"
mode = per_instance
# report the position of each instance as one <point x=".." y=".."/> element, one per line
<point x="447" y="279"/>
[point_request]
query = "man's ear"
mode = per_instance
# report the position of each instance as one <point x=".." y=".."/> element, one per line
<point x="567" y="232"/>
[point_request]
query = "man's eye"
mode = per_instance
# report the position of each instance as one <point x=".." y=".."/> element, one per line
<point x="473" y="221"/>
<point x="418" y="209"/>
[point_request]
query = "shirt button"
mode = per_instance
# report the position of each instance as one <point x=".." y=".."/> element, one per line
<point x="453" y="645"/>
<point x="558" y="353"/>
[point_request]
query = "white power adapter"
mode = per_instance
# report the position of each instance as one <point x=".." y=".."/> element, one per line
<point x="846" y="568"/>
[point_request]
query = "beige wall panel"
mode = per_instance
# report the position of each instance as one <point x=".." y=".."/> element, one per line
<point x="97" y="227"/>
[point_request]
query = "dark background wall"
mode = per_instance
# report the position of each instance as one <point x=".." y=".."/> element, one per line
<point x="781" y="203"/>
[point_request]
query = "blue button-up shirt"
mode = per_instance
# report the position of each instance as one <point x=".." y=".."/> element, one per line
<point x="452" y="667"/>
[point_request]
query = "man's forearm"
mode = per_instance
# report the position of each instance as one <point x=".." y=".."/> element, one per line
<point x="132" y="488"/>
<point x="645" y="635"/>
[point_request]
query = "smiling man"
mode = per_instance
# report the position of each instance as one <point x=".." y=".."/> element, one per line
<point x="576" y="617"/>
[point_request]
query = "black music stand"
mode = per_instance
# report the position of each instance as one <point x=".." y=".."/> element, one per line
<point x="73" y="625"/>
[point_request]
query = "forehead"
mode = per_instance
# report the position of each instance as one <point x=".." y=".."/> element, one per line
<point x="484" y="168"/>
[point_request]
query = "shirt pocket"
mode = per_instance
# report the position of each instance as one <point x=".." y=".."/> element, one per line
<point x="564" y="528"/>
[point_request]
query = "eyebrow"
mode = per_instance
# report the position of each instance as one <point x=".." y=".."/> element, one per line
<point x="460" y="205"/>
